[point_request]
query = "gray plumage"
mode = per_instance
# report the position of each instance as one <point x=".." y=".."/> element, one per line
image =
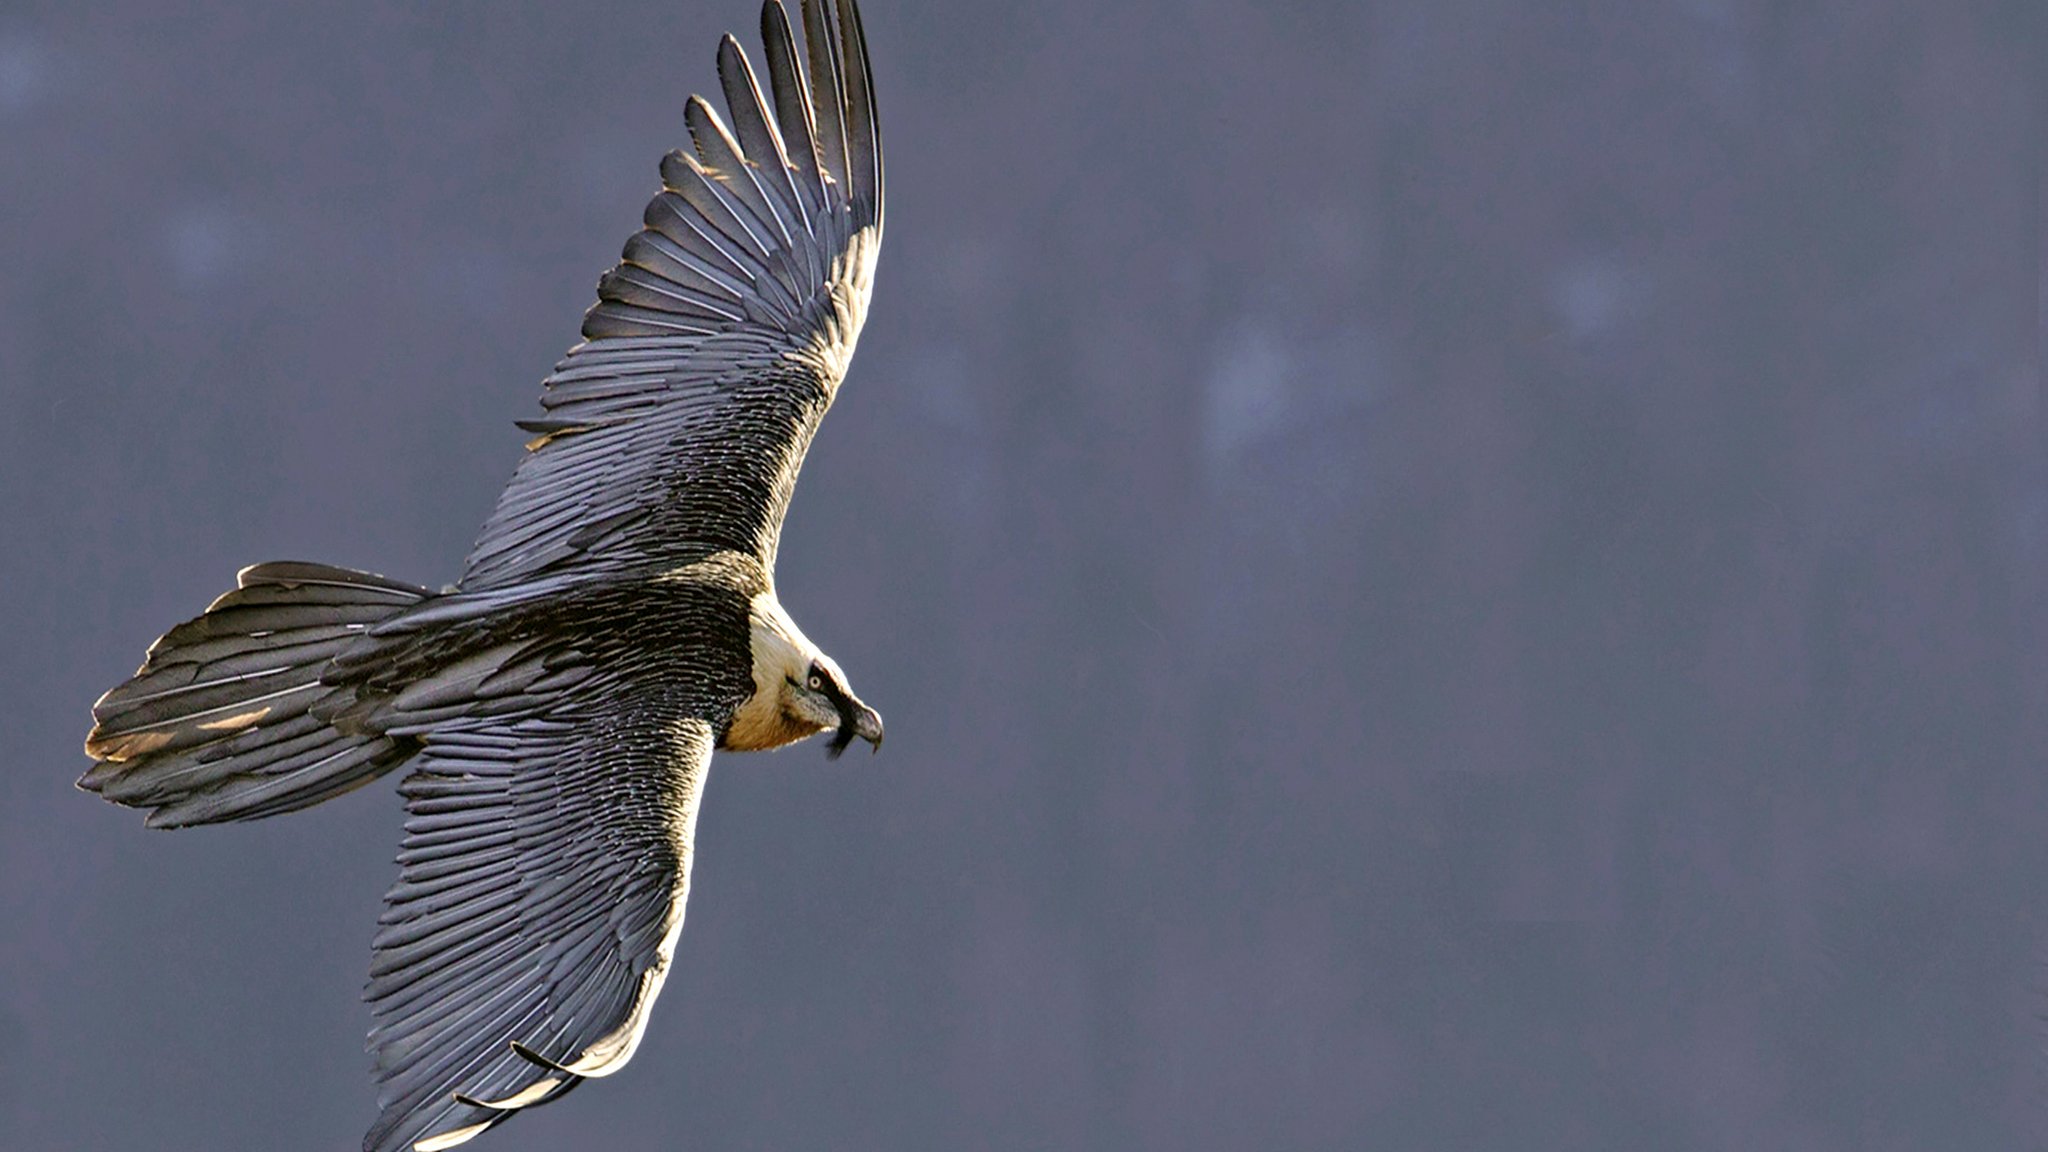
<point x="614" y="624"/>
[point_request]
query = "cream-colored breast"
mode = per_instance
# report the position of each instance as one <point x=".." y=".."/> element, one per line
<point x="781" y="653"/>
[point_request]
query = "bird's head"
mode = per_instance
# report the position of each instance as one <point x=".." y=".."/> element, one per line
<point x="819" y="699"/>
<point x="798" y="691"/>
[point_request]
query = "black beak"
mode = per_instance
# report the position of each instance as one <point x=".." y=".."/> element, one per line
<point x="855" y="719"/>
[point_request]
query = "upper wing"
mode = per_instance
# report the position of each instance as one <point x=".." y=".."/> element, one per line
<point x="545" y="865"/>
<point x="677" y="427"/>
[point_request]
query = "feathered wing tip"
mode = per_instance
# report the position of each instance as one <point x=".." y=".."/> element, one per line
<point x="228" y="718"/>
<point x="863" y="121"/>
<point x="752" y="220"/>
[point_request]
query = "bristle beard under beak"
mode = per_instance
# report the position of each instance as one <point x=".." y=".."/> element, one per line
<point x="840" y="740"/>
<point x="855" y="719"/>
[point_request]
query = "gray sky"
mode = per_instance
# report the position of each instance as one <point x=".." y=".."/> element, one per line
<point x="1442" y="575"/>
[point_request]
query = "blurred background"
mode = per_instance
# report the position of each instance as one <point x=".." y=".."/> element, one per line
<point x="1443" y="575"/>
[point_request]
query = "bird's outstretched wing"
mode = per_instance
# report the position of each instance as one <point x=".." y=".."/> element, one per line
<point x="545" y="865"/>
<point x="676" y="429"/>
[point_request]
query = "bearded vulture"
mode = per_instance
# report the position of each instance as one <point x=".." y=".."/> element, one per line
<point x="615" y="623"/>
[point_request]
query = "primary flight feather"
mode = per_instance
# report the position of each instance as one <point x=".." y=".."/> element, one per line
<point x="615" y="624"/>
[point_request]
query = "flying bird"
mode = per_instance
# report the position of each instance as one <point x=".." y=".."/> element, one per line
<point x="615" y="623"/>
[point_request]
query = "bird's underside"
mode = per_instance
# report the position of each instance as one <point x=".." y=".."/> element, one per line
<point x="615" y="623"/>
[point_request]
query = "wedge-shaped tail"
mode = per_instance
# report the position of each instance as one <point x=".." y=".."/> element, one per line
<point x="228" y="717"/>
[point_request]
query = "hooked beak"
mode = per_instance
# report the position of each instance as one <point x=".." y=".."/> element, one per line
<point x="855" y="719"/>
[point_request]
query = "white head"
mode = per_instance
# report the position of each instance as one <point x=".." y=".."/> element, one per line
<point x="798" y="690"/>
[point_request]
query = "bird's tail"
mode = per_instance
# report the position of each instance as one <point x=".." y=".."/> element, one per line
<point x="228" y="717"/>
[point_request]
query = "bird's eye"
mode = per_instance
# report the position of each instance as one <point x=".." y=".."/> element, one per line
<point x="817" y="682"/>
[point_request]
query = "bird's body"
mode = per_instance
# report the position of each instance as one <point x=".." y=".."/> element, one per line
<point x="616" y="622"/>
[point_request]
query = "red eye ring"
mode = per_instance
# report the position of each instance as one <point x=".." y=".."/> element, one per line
<point x="817" y="683"/>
